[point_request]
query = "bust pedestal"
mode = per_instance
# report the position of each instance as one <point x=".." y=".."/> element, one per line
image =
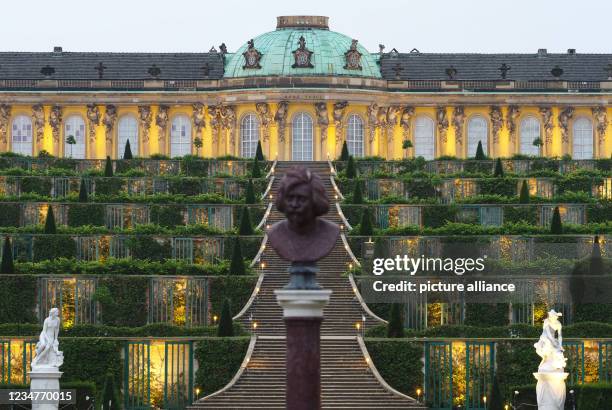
<point x="45" y="379"/>
<point x="551" y="390"/>
<point x="303" y="314"/>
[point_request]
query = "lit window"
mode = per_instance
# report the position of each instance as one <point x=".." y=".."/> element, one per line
<point x="582" y="139"/>
<point x="302" y="139"/>
<point x="74" y="127"/>
<point x="127" y="131"/>
<point x="354" y="136"/>
<point x="21" y="135"/>
<point x="424" y="145"/>
<point x="249" y="135"/>
<point x="180" y="136"/>
<point x="477" y="131"/>
<point x="530" y="131"/>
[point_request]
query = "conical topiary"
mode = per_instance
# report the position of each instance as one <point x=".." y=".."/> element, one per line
<point x="259" y="152"/>
<point x="108" y="167"/>
<point x="596" y="264"/>
<point x="50" y="222"/>
<point x="499" y="169"/>
<point x="357" y="195"/>
<point x="245" y="222"/>
<point x="495" y="400"/>
<point x="249" y="196"/>
<point x="395" y="327"/>
<point x="344" y="154"/>
<point x="350" y="168"/>
<point x="127" y="153"/>
<point x="7" y="265"/>
<point x="556" y="227"/>
<point x="226" y="328"/>
<point x="524" y="194"/>
<point x="256" y="171"/>
<point x="83" y="197"/>
<point x="365" y="227"/>
<point x="480" y="155"/>
<point x="237" y="263"/>
<point x="110" y="396"/>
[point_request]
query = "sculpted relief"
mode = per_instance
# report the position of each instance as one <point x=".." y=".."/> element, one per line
<point x="265" y="119"/>
<point x="497" y="121"/>
<point x="5" y="113"/>
<point x="511" y="121"/>
<point x="458" y="121"/>
<point x="198" y="118"/>
<point x="110" y="116"/>
<point x="407" y="114"/>
<point x="161" y="120"/>
<point x="322" y="119"/>
<point x="281" y="119"/>
<point x="442" y="123"/>
<point x="338" y="116"/>
<point x="564" y="118"/>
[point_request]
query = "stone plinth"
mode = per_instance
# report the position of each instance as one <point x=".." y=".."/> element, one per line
<point x="45" y="379"/>
<point x="303" y="314"/>
<point x="551" y="390"/>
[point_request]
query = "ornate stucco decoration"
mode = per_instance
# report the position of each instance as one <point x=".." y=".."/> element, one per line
<point x="215" y="122"/>
<point x="55" y="121"/>
<point x="338" y="114"/>
<point x="161" y="120"/>
<point x="93" y="119"/>
<point x="265" y="118"/>
<point x="5" y="113"/>
<point x="601" y="122"/>
<point x="547" y="120"/>
<point x="281" y="119"/>
<point x="391" y="120"/>
<point x="458" y="121"/>
<point x="199" y="118"/>
<point x="110" y="116"/>
<point x="144" y="118"/>
<point x="511" y="119"/>
<point x="442" y="123"/>
<point x="564" y="118"/>
<point x="38" y="121"/>
<point x="228" y="122"/>
<point x="497" y="121"/>
<point x="322" y="119"/>
<point x="302" y="55"/>
<point x="251" y="56"/>
<point x="372" y="120"/>
<point x="407" y="114"/>
<point x="353" y="57"/>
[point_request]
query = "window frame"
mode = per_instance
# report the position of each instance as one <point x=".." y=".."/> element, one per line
<point x="188" y="135"/>
<point x="251" y="143"/>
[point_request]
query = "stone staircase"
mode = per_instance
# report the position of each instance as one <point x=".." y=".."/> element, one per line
<point x="347" y="380"/>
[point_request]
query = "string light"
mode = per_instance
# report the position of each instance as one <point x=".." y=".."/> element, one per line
<point x="254" y="325"/>
<point x="358" y="326"/>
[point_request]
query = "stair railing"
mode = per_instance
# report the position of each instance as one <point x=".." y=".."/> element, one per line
<point x="267" y="191"/>
<point x="332" y="170"/>
<point x="265" y="216"/>
<point x="251" y="300"/>
<point x="272" y="168"/>
<point x="375" y="373"/>
<point x="342" y="217"/>
<point x="348" y="250"/>
<point x="243" y="367"/>
<point x="364" y="306"/>
<point x="336" y="189"/>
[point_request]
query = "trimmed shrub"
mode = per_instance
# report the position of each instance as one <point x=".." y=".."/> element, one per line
<point x="127" y="153"/>
<point x="395" y="327"/>
<point x="9" y="214"/>
<point x="36" y="185"/>
<point x="365" y="227"/>
<point x="357" y="195"/>
<point x="497" y="186"/>
<point x="245" y="222"/>
<point x="53" y="247"/>
<point x="437" y="216"/>
<point x="110" y="396"/>
<point x="123" y="300"/>
<point x="398" y="362"/>
<point x="515" y="214"/>
<point x="108" y="167"/>
<point x="259" y="152"/>
<point x="237" y="289"/>
<point x="524" y="195"/>
<point x="499" y="169"/>
<point x="219" y="359"/>
<point x="18" y="297"/>
<point x="237" y="264"/>
<point x="249" y="196"/>
<point x="256" y="170"/>
<point x="344" y="154"/>
<point x="225" y="328"/>
<point x="83" y="197"/>
<point x="85" y="214"/>
<point x="50" y="222"/>
<point x="496" y="400"/>
<point x="480" y="155"/>
<point x="351" y="172"/>
<point x="477" y="314"/>
<point x="7" y="265"/>
<point x="556" y="228"/>
<point x="167" y="216"/>
<point x="147" y="247"/>
<point x="91" y="359"/>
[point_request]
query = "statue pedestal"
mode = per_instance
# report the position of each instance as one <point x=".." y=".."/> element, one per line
<point x="45" y="379"/>
<point x="303" y="314"/>
<point x="551" y="390"/>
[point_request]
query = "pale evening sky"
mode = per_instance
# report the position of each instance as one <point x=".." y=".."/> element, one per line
<point x="194" y="26"/>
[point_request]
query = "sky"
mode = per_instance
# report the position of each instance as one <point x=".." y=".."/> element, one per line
<point x="473" y="26"/>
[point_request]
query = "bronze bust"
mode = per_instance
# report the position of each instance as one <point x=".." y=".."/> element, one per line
<point x="303" y="238"/>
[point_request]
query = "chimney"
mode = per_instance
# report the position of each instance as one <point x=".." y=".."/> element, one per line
<point x="542" y="52"/>
<point x="571" y="51"/>
<point x="57" y="49"/>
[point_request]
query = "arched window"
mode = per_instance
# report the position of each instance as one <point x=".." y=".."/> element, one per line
<point x="477" y="131"/>
<point x="582" y="139"/>
<point x="354" y="136"/>
<point x="301" y="137"/>
<point x="127" y="130"/>
<point x="249" y="135"/>
<point x="180" y="136"/>
<point x="74" y="127"/>
<point x="21" y="135"/>
<point x="530" y="131"/>
<point x="424" y="145"/>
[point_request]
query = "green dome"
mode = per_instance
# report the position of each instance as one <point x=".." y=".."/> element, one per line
<point x="276" y="47"/>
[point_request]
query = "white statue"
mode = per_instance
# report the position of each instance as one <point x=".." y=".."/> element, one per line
<point x="551" y="376"/>
<point x="47" y="348"/>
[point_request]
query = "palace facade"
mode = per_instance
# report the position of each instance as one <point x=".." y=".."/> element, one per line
<point x="302" y="90"/>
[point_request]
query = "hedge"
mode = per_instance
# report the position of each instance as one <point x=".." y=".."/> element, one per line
<point x="53" y="247"/>
<point x="398" y="362"/>
<point x="91" y="359"/>
<point x="218" y="361"/>
<point x="18" y="298"/>
<point x="237" y="289"/>
<point x="123" y="300"/>
<point x="10" y="214"/>
<point x="486" y="314"/>
<point x="150" y="330"/>
<point x="86" y="214"/>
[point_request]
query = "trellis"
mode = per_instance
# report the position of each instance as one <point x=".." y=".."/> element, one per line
<point x="479" y="371"/>
<point x="570" y="214"/>
<point x="126" y="216"/>
<point x="137" y="375"/>
<point x="219" y="217"/>
<point x="178" y="301"/>
<point x="574" y="352"/>
<point x="605" y="362"/>
<point x="178" y="375"/>
<point x="438" y="386"/>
